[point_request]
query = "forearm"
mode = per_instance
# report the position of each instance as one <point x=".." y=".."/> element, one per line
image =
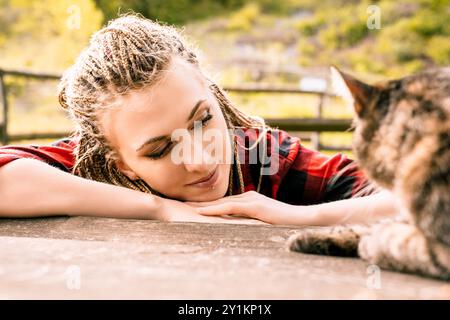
<point x="357" y="210"/>
<point x="354" y="210"/>
<point x="31" y="188"/>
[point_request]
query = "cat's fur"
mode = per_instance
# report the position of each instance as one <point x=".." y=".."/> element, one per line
<point x="402" y="142"/>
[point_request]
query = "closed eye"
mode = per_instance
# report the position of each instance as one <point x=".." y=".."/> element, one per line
<point x="160" y="154"/>
<point x="168" y="147"/>
<point x="205" y="120"/>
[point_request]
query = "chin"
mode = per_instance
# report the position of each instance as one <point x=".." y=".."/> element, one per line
<point x="209" y="194"/>
<point x="213" y="194"/>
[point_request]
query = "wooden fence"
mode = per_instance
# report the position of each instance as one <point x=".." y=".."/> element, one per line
<point x="309" y="129"/>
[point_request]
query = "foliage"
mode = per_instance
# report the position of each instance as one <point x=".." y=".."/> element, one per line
<point x="413" y="35"/>
<point x="45" y="37"/>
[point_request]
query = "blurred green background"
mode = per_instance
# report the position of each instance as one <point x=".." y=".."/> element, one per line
<point x="243" y="42"/>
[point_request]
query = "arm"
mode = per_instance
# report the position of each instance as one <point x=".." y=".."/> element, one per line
<point x="354" y="210"/>
<point x="32" y="188"/>
<point x="255" y="205"/>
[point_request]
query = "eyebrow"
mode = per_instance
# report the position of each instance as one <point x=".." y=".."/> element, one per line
<point x="164" y="137"/>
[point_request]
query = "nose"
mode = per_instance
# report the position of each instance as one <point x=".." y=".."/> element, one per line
<point x="200" y="160"/>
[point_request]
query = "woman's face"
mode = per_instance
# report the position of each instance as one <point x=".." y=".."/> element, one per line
<point x="141" y="130"/>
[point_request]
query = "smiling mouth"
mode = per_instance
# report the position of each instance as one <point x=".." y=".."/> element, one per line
<point x="207" y="181"/>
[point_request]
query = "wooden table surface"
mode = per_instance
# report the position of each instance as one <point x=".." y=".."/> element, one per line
<point x="98" y="258"/>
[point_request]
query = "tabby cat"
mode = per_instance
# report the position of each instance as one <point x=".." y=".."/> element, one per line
<point x="402" y="142"/>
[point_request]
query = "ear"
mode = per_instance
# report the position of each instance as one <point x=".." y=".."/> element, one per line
<point x="126" y="170"/>
<point x="355" y="92"/>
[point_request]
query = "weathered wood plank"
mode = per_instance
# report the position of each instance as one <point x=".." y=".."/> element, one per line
<point x="40" y="258"/>
<point x="143" y="231"/>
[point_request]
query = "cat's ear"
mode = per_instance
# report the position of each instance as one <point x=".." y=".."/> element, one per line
<point x="353" y="91"/>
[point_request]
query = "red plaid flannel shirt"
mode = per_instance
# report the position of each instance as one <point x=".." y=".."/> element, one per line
<point x="303" y="177"/>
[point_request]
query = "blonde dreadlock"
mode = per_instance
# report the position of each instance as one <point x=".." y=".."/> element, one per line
<point x="127" y="54"/>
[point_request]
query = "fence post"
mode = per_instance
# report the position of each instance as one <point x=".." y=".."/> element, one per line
<point x="4" y="101"/>
<point x="315" y="136"/>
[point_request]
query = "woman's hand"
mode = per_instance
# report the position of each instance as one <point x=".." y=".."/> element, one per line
<point x="173" y="210"/>
<point x="254" y="205"/>
<point x="348" y="211"/>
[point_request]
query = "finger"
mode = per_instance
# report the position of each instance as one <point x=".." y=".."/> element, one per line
<point x="202" y="204"/>
<point x="217" y="210"/>
<point x="242" y="220"/>
<point x="222" y="209"/>
<point x="214" y="202"/>
<point x="247" y="221"/>
<point x="255" y="221"/>
<point x="193" y="204"/>
<point x="205" y="203"/>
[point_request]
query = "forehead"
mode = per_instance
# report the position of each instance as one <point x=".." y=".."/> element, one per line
<point x="155" y="110"/>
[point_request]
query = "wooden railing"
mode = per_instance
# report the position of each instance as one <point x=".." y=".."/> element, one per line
<point x="309" y="128"/>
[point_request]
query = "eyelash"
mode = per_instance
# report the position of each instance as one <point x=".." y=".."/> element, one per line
<point x="163" y="152"/>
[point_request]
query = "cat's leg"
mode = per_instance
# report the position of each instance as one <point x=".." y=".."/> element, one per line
<point x="403" y="247"/>
<point x="334" y="241"/>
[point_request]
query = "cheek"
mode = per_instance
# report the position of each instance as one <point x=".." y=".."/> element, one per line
<point x="161" y="174"/>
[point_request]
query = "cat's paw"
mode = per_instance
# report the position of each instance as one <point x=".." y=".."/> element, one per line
<point x="325" y="241"/>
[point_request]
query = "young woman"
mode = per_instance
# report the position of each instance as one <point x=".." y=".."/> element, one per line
<point x="136" y="84"/>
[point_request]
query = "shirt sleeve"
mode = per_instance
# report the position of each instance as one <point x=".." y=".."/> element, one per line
<point x="59" y="154"/>
<point x="316" y="178"/>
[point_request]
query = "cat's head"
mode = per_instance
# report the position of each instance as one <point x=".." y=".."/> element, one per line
<point x="387" y="117"/>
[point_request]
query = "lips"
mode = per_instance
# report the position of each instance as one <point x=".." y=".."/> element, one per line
<point x="206" y="180"/>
